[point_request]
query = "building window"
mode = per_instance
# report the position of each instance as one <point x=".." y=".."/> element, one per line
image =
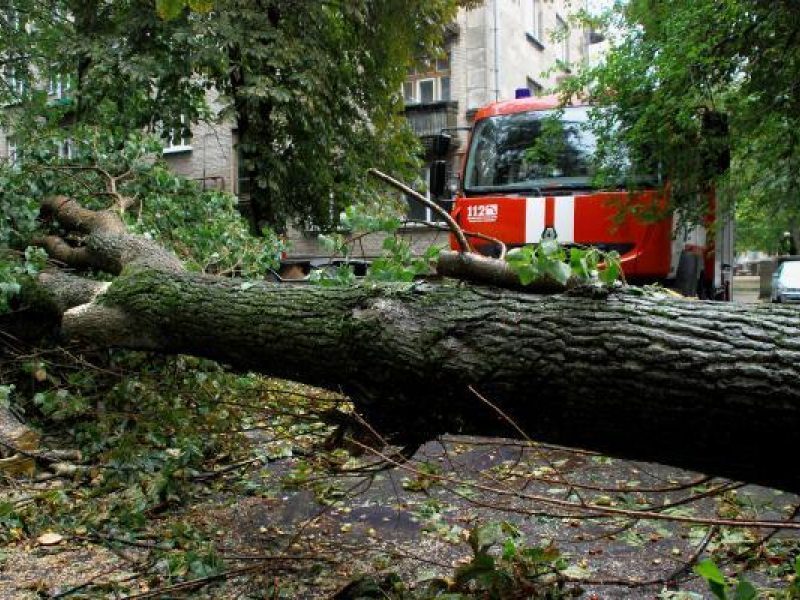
<point x="536" y="29"/>
<point x="429" y="82"/>
<point x="420" y="212"/>
<point x="178" y="139"/>
<point x="408" y="92"/>
<point x="427" y="90"/>
<point x="562" y="30"/>
<point x="535" y="88"/>
<point x="14" y="82"/>
<point x="58" y="86"/>
<point x="11" y="150"/>
<point x="66" y="149"/>
<point x="444" y="85"/>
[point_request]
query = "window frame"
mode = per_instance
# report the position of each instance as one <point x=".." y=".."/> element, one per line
<point x="536" y="21"/>
<point x="58" y="86"/>
<point x="429" y="215"/>
<point x="412" y="97"/>
<point x="11" y="151"/>
<point x="66" y="149"/>
<point x="432" y="81"/>
<point x="416" y="88"/>
<point x="534" y="86"/>
<point x="185" y="145"/>
<point x="564" y="31"/>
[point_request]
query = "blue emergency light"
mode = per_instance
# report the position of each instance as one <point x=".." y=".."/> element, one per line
<point x="522" y="93"/>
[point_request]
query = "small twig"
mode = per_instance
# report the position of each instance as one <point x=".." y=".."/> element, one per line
<point x="531" y="443"/>
<point x="105" y="539"/>
<point x="226" y="469"/>
<point x="87" y="583"/>
<point x="38" y="456"/>
<point x="638" y="514"/>
<point x="454" y="227"/>
<point x="701" y="547"/>
<point x="500" y="243"/>
<point x="204" y="581"/>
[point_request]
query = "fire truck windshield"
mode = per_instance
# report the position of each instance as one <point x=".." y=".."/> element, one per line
<point x="532" y="151"/>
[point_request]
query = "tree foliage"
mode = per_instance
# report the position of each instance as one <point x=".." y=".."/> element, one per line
<point x="311" y="87"/>
<point x="680" y="64"/>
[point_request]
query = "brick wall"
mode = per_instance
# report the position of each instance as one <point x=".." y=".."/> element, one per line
<point x="209" y="158"/>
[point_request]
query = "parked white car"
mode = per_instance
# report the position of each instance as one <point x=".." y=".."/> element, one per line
<point x="786" y="282"/>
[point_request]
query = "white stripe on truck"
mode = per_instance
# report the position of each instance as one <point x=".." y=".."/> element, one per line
<point x="534" y="220"/>
<point x="565" y="218"/>
<point x="563" y="222"/>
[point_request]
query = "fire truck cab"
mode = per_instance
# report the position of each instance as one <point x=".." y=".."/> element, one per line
<point x="528" y="175"/>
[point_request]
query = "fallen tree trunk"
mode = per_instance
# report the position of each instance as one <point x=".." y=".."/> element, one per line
<point x="695" y="384"/>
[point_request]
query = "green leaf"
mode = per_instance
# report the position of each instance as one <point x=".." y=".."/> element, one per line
<point x="610" y="274"/>
<point x="709" y="571"/>
<point x="745" y="591"/>
<point x="510" y="529"/>
<point x="526" y="273"/>
<point x="509" y="549"/>
<point x="541" y="555"/>
<point x="480" y="565"/>
<point x="559" y="271"/>
<point x="718" y="590"/>
<point x="432" y="253"/>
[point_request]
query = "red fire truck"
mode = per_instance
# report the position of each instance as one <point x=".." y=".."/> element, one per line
<point x="508" y="191"/>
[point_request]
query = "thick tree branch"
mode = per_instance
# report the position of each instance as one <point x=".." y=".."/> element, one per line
<point x="107" y="246"/>
<point x="67" y="291"/>
<point x="695" y="384"/>
<point x="58" y="249"/>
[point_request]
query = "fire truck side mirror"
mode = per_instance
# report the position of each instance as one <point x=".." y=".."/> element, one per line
<point x="437" y="177"/>
<point x="716" y="150"/>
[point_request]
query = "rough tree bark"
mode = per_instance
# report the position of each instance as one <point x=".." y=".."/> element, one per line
<point x="695" y="384"/>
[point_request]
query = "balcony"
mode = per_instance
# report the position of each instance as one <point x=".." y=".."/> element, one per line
<point x="428" y="120"/>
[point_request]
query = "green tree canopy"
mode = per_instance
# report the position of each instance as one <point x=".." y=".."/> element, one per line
<point x="312" y="87"/>
<point x="678" y="64"/>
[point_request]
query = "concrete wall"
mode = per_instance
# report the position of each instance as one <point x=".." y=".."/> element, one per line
<point x="498" y="55"/>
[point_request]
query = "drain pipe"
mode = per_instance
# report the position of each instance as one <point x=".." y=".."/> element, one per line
<point x="496" y="50"/>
